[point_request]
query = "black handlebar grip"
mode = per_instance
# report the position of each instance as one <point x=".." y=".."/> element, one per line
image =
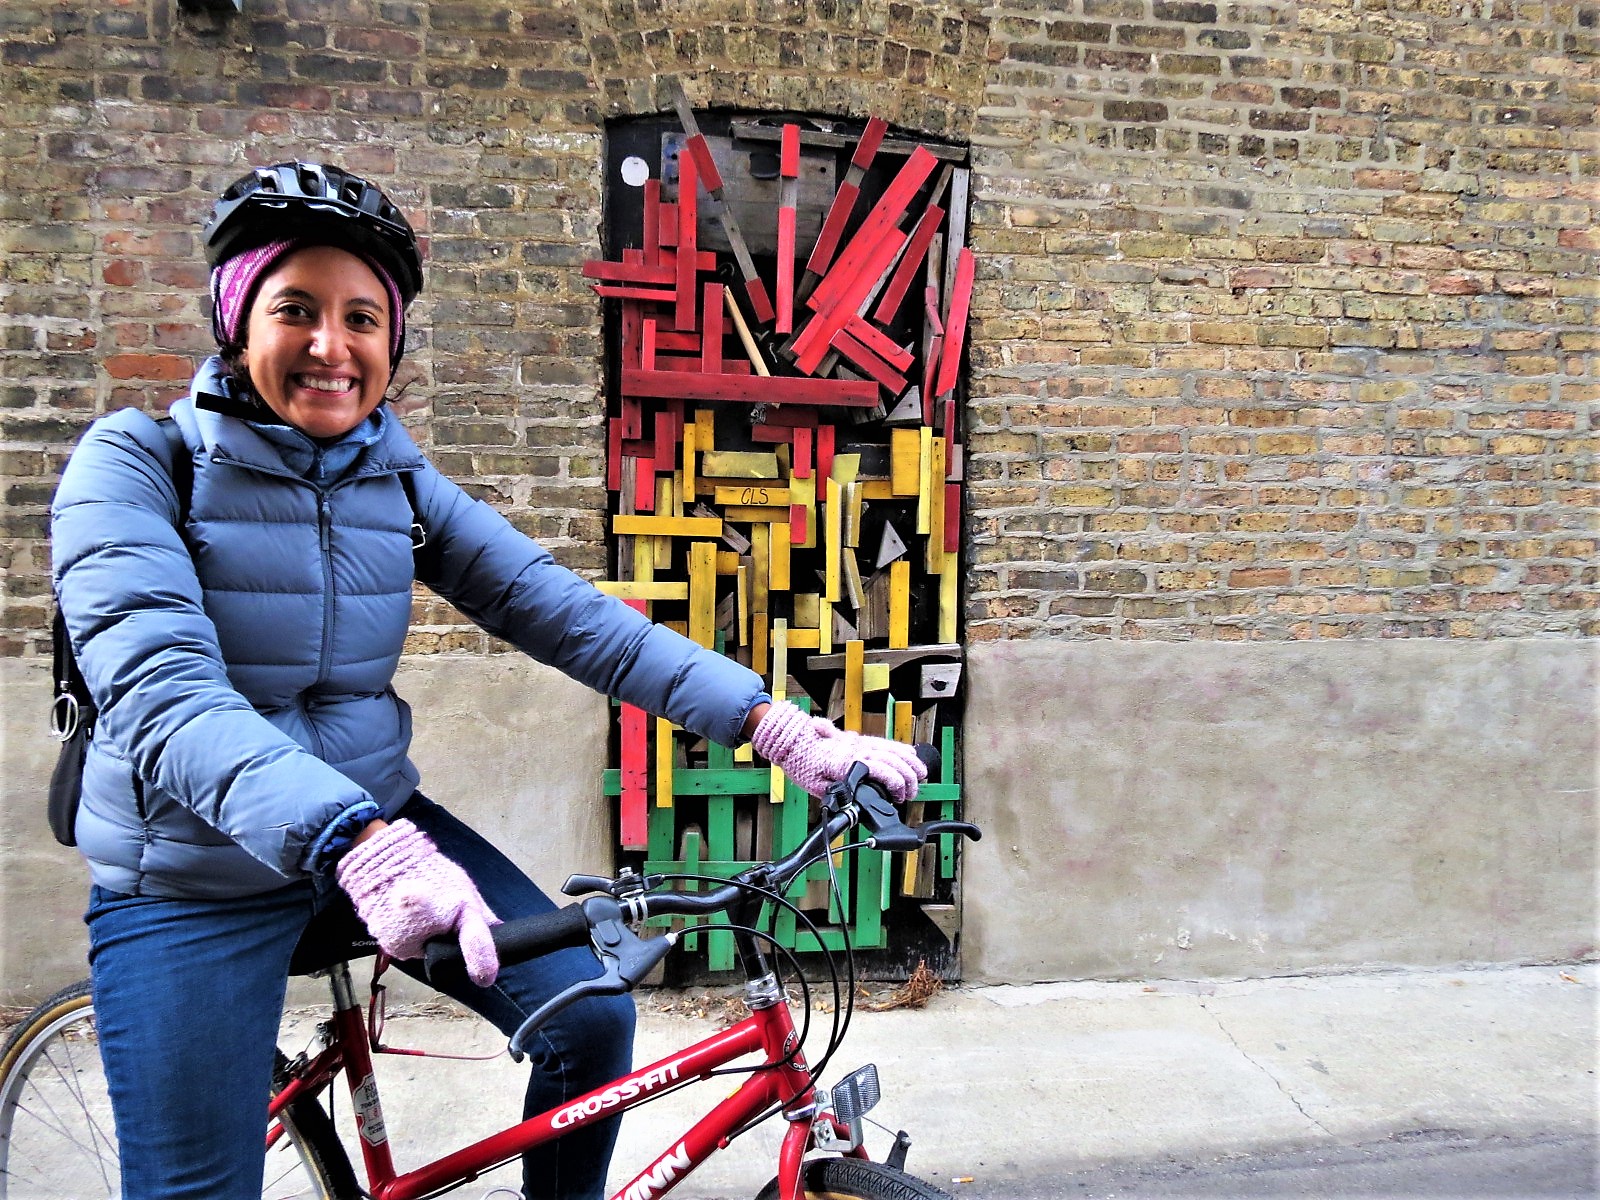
<point x="929" y="756"/>
<point x="514" y="941"/>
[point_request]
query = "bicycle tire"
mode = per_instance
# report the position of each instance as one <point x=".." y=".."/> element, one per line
<point x="57" y="1140"/>
<point x="856" y="1179"/>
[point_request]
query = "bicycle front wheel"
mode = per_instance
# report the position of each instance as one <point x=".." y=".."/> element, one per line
<point x="57" y="1140"/>
<point x="856" y="1179"/>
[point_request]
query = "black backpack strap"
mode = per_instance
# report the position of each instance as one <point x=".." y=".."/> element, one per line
<point x="181" y="467"/>
<point x="424" y="554"/>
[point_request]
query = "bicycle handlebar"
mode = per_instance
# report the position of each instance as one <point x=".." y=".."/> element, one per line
<point x="599" y="920"/>
<point x="514" y="941"/>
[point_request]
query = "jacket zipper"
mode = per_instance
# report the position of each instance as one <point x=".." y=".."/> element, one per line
<point x="325" y="537"/>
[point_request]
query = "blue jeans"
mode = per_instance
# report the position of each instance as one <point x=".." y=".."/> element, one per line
<point x="189" y="995"/>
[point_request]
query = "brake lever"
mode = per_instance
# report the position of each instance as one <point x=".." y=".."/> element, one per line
<point x="882" y="818"/>
<point x="878" y="813"/>
<point x="625" y="956"/>
<point x="627" y="883"/>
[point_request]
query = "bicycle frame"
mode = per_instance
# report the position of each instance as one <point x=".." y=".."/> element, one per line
<point x="768" y="1030"/>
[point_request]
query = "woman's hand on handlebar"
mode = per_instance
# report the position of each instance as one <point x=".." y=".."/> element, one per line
<point x="816" y="755"/>
<point x="406" y="892"/>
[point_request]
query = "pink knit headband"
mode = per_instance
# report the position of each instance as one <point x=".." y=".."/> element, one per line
<point x="233" y="286"/>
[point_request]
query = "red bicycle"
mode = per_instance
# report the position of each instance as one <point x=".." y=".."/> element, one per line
<point x="56" y="1137"/>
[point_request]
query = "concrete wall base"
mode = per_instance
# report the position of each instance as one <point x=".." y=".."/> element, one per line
<point x="1195" y="810"/>
<point x="514" y="748"/>
<point x="1206" y="810"/>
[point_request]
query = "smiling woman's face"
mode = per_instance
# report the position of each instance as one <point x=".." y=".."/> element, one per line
<point x="317" y="341"/>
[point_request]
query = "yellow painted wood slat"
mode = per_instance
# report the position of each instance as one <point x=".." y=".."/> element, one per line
<point x="665" y="589"/>
<point x="854" y="668"/>
<point x="664" y="750"/>
<point x="899" y="604"/>
<point x="657" y="526"/>
<point x="949" y="598"/>
<point x="742" y="605"/>
<point x="807" y="610"/>
<point x="739" y="464"/>
<point x="691" y="433"/>
<point x="754" y="495"/>
<point x="665" y="503"/>
<point x="924" y="477"/>
<point x="852" y="513"/>
<point x="703" y="593"/>
<point x="780" y="660"/>
<point x="778" y="563"/>
<point x="760" y="552"/>
<point x="936" y="464"/>
<point x="644" y="558"/>
<point x="705" y="433"/>
<point x="740" y="515"/>
<point x="905" y="461"/>
<point x="834" y="520"/>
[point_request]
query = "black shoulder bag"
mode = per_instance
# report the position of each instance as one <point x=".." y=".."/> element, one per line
<point x="71" y="723"/>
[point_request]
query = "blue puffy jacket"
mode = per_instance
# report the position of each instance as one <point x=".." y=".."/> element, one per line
<point x="243" y="670"/>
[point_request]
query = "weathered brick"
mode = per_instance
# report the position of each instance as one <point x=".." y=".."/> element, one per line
<point x="1135" y="110"/>
<point x="1267" y="292"/>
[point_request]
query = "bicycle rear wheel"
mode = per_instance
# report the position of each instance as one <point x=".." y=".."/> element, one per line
<point x="856" y="1179"/>
<point x="57" y="1140"/>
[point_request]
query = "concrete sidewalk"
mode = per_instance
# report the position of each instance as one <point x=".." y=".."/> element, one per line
<point x="997" y="1083"/>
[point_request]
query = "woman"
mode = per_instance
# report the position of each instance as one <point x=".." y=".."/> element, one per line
<point x="250" y="762"/>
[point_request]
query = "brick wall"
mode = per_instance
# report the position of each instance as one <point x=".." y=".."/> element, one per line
<point x="1288" y="321"/>
<point x="1285" y="320"/>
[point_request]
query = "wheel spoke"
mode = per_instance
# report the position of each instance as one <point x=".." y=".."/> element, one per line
<point x="53" y="1097"/>
<point x="57" y="1138"/>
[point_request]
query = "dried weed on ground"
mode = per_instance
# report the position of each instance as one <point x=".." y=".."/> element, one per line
<point x="726" y="1006"/>
<point x="922" y="985"/>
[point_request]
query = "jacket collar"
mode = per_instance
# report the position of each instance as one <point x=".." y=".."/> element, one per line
<point x="225" y="427"/>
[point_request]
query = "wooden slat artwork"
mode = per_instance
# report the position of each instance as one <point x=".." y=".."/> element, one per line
<point x="767" y="504"/>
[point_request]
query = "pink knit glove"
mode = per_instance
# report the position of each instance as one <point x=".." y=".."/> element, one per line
<point x="407" y="892"/>
<point x="816" y="755"/>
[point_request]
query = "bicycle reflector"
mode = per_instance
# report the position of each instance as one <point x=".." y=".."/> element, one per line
<point x="850" y="1097"/>
<point x="856" y="1093"/>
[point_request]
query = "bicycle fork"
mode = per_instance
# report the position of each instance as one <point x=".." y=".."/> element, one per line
<point x="347" y="1050"/>
<point x="811" y="1123"/>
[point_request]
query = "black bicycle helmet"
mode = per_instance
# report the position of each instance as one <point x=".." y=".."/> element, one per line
<point x="313" y="200"/>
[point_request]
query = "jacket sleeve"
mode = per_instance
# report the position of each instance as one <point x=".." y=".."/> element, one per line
<point x="128" y="590"/>
<point x="509" y="585"/>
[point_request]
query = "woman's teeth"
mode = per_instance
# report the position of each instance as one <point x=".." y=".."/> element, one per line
<point x="324" y="385"/>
